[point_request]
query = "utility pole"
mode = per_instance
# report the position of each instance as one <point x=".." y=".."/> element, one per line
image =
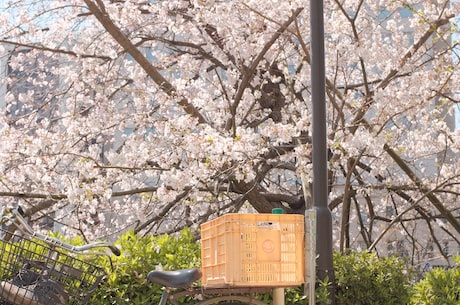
<point x="324" y="263"/>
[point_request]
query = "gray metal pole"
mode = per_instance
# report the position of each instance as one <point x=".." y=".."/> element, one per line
<point x="324" y="262"/>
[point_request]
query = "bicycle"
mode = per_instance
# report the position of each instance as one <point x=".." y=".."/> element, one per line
<point x="183" y="280"/>
<point x="36" y="269"/>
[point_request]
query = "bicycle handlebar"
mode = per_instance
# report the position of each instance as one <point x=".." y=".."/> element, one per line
<point x="18" y="215"/>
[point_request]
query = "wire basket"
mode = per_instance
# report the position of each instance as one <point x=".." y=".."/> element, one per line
<point x="35" y="273"/>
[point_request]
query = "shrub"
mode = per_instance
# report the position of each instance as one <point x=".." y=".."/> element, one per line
<point x="127" y="282"/>
<point x="362" y="279"/>
<point x="365" y="279"/>
<point x="438" y="287"/>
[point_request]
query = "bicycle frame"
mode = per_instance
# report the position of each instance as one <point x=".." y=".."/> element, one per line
<point x="24" y="227"/>
<point x="184" y="278"/>
<point x="214" y="295"/>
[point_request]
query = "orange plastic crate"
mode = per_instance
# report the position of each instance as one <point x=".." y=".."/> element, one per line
<point x="253" y="250"/>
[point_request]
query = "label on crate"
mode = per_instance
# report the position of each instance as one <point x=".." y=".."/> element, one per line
<point x="269" y="225"/>
<point x="268" y="246"/>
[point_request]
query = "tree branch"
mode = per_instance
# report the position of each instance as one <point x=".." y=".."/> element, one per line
<point x="103" y="17"/>
<point x="428" y="193"/>
<point x="250" y="72"/>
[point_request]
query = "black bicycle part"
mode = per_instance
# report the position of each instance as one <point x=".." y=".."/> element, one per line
<point x="175" y="279"/>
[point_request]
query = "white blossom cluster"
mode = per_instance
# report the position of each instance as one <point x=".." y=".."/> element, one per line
<point x="156" y="115"/>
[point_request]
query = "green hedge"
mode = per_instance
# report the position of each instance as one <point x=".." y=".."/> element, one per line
<point x="438" y="287"/>
<point x="361" y="278"/>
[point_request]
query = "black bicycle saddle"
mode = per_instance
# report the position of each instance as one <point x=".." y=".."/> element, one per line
<point x="175" y="279"/>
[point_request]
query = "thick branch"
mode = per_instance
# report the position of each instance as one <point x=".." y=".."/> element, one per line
<point x="103" y="17"/>
<point x="249" y="74"/>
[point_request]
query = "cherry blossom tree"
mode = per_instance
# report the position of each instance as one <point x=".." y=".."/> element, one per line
<point x="155" y="115"/>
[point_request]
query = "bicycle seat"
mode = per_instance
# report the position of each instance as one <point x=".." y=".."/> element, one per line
<point x="175" y="279"/>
